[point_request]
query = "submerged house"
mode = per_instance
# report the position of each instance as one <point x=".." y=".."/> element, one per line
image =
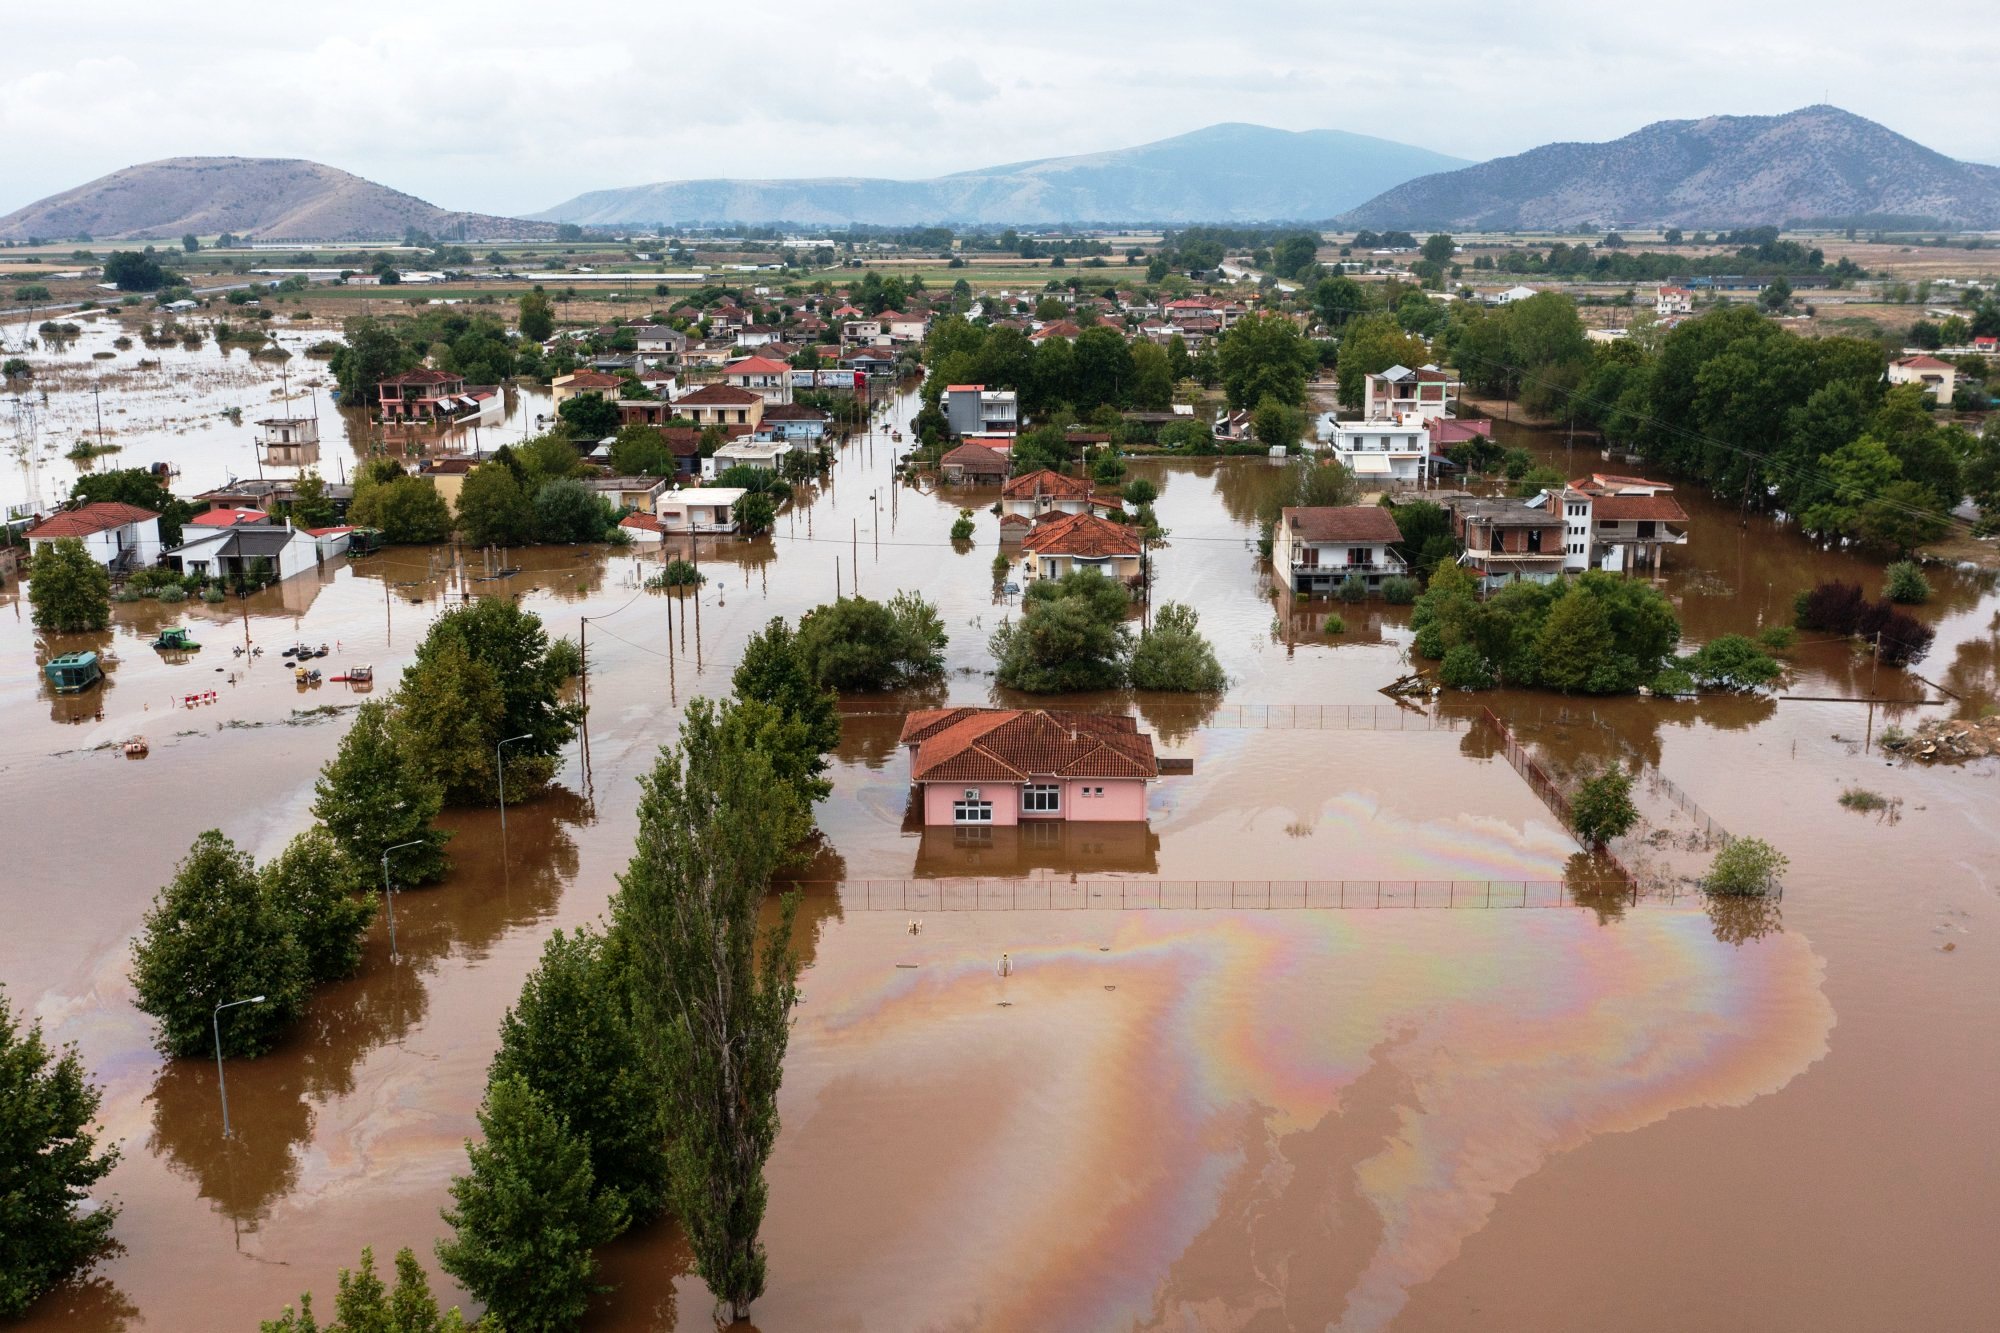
<point x="1616" y="523"/>
<point x="1507" y="540"/>
<point x="1070" y="542"/>
<point x="117" y="535"/>
<point x="1006" y="766"/>
<point x="1033" y="496"/>
<point x="247" y="550"/>
<point x="1315" y="549"/>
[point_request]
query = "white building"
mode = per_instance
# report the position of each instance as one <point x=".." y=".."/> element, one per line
<point x="767" y="455"/>
<point x="1511" y="295"/>
<point x="1939" y="377"/>
<point x="699" y="509"/>
<point x="118" y="536"/>
<point x="1382" y="452"/>
<point x="764" y="376"/>
<point x="1616" y="523"/>
<point x="1673" y="301"/>
<point x="237" y="550"/>
<point x="1399" y="391"/>
<point x="1316" y="549"/>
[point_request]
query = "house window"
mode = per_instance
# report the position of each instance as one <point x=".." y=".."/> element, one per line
<point x="1042" y="798"/>
<point x="972" y="812"/>
<point x="1357" y="555"/>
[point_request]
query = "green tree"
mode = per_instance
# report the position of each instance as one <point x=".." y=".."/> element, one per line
<point x="1339" y="299"/>
<point x="1745" y="867"/>
<point x="406" y="510"/>
<point x="641" y="451"/>
<point x="311" y="506"/>
<point x="1602" y="807"/>
<point x="190" y="243"/>
<point x="49" y="1163"/>
<point x="1173" y="655"/>
<point x="1904" y="582"/>
<point x="1071" y="636"/>
<point x="527" y="1215"/>
<point x="1372" y="344"/>
<point x="775" y="669"/>
<point x="1439" y="249"/>
<point x="496" y="662"/>
<point x="569" y="1038"/>
<point x="1574" y="644"/>
<point x="69" y="591"/>
<point x="1732" y="662"/>
<point x="370" y="799"/>
<point x="1265" y="356"/>
<point x="1151" y="388"/>
<point x="567" y="510"/>
<point x="214" y="936"/>
<point x="588" y="416"/>
<point x="135" y="271"/>
<point x="1276" y="425"/>
<point x="855" y="644"/>
<point x="493" y="510"/>
<point x="449" y="716"/>
<point x="1295" y="255"/>
<point x="370" y="352"/>
<point x="712" y="1001"/>
<point x="754" y="514"/>
<point x="1903" y="517"/>
<point x="364" y="1304"/>
<point x="327" y="899"/>
<point x="538" y="316"/>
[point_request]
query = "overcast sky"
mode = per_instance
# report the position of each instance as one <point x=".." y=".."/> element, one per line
<point x="505" y="106"/>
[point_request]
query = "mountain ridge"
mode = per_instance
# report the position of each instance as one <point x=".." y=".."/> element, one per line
<point x="1816" y="162"/>
<point x="1222" y="173"/>
<point x="281" y="198"/>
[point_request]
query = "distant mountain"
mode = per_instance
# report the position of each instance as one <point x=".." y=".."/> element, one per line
<point x="1225" y="173"/>
<point x="1816" y="163"/>
<point x="276" y="198"/>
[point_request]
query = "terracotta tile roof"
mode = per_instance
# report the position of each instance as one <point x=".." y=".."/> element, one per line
<point x="92" y="518"/>
<point x="1016" y="745"/>
<point x="756" y="365"/>
<point x="1060" y="328"/>
<point x="1452" y="430"/>
<point x="1044" y="482"/>
<point x="643" y="522"/>
<point x="1924" y="363"/>
<point x="421" y="377"/>
<point x="1623" y="508"/>
<point x="592" y="379"/>
<point x="793" y="412"/>
<point x="976" y="458"/>
<point x="712" y="394"/>
<point x="1084" y="535"/>
<point x="226" y="518"/>
<point x="1613" y="480"/>
<point x="1342" y="523"/>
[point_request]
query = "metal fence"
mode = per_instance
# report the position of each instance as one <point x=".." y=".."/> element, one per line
<point x="1066" y="895"/>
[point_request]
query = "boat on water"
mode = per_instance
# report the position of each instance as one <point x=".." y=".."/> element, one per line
<point x="73" y="672"/>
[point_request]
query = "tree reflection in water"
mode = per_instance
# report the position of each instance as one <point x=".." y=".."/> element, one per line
<point x="86" y="1305"/>
<point x="1738" y="918"/>
<point x="1593" y="882"/>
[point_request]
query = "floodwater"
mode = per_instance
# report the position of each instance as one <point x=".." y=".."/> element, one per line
<point x="1599" y="1114"/>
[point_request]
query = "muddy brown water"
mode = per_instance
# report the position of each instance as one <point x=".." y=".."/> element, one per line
<point x="1649" y="1117"/>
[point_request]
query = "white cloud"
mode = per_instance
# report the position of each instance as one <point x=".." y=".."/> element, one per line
<point x="508" y="106"/>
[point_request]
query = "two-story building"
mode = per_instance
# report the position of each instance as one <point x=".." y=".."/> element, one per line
<point x="422" y="395"/>
<point x="721" y="405"/>
<point x="660" y="344"/>
<point x="1388" y="452"/>
<point x="974" y="409"/>
<point x="1070" y="542"/>
<point x="1938" y="376"/>
<point x="117" y="535"/>
<point x="1508" y="540"/>
<point x="1314" y="549"/>
<point x="981" y="767"/>
<point x="577" y="383"/>
<point x="698" y="509"/>
<point x="1616" y="523"/>
<point x="1673" y="301"/>
<point x="768" y="379"/>
<point x="1399" y="393"/>
<point x="1033" y="496"/>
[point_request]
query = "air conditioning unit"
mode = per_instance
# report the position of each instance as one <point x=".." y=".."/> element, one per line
<point x="972" y="793"/>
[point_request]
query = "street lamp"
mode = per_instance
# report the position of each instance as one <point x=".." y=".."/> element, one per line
<point x="221" y="1080"/>
<point x="500" y="762"/>
<point x="389" y="894"/>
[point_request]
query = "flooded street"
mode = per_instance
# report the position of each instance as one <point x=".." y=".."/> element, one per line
<point x="1435" y="1114"/>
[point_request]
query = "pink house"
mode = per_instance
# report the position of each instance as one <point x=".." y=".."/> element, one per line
<point x="986" y="766"/>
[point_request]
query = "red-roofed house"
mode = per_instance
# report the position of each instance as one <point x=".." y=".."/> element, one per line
<point x="229" y="518"/>
<point x="118" y="536"/>
<point x="721" y="405"/>
<point x="1316" y="548"/>
<point x="1616" y="523"/>
<point x="1028" y="499"/>
<point x="1058" y="328"/>
<point x="974" y="464"/>
<point x="1069" y="542"/>
<point x="768" y="379"/>
<point x="421" y="395"/>
<point x="987" y="766"/>
<point x="1939" y="377"/>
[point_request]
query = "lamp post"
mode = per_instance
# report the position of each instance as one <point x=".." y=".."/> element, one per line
<point x="221" y="1080"/>
<point x="389" y="894"/>
<point x="500" y="763"/>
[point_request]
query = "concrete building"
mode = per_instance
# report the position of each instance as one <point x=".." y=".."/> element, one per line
<point x="1315" y="549"/>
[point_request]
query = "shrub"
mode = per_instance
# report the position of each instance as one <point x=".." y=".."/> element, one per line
<point x="1001" y="564"/>
<point x="1745" y="866"/>
<point x="173" y="596"/>
<point x="1334" y="625"/>
<point x="1732" y="662"/>
<point x="1674" y="681"/>
<point x="1860" y="798"/>
<point x="1831" y="608"/>
<point x="858" y="644"/>
<point x="1173" y="655"/>
<point x="961" y="531"/>
<point x="1464" y="668"/>
<point x="1778" y="638"/>
<point x="1353" y="588"/>
<point x="677" y="573"/>
<point x="1904" y="582"/>
<point x="1602" y="808"/>
<point x="1399" y="591"/>
<point x="1842" y="608"/>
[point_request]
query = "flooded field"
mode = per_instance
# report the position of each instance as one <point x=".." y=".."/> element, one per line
<point x="1652" y="1116"/>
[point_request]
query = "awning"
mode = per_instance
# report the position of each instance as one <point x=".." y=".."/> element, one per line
<point x="1371" y="465"/>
